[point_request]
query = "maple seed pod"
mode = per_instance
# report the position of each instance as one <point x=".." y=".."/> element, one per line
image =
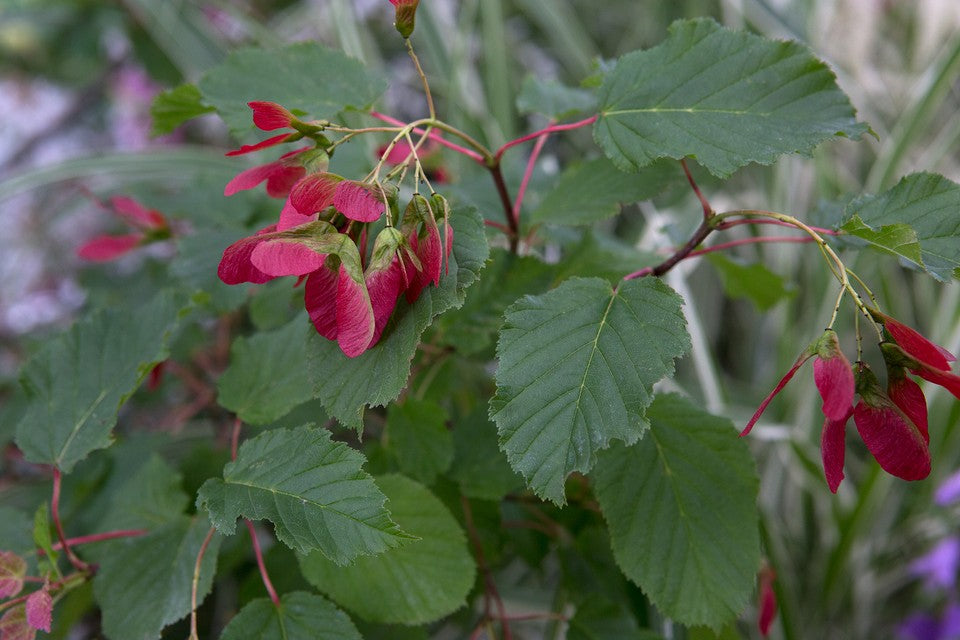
<point x="405" y="17"/>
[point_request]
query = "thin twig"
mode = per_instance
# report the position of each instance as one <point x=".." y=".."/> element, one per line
<point x="527" y="173"/>
<point x="195" y="584"/>
<point x="97" y="537"/>
<point x="490" y="592"/>
<point x="77" y="563"/>
<point x="434" y="135"/>
<point x="264" y="576"/>
<point x="514" y="236"/>
<point x="423" y="78"/>
<point x="707" y="209"/>
<point x="553" y="128"/>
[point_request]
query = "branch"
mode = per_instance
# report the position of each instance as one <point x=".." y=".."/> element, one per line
<point x="490" y="592"/>
<point x="553" y="128"/>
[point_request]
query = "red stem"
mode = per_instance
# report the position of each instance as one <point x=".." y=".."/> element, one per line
<point x="77" y="563"/>
<point x="434" y="135"/>
<point x="263" y="567"/>
<point x="497" y="225"/>
<point x="707" y="210"/>
<point x="196" y="582"/>
<point x="505" y="201"/>
<point x="553" y="128"/>
<point x="490" y="592"/>
<point x="235" y="438"/>
<point x="534" y="154"/>
<point x="97" y="537"/>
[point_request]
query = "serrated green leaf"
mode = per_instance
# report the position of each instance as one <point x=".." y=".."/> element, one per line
<point x="198" y="255"/>
<point x="577" y="367"/>
<point x="311" y="488"/>
<point x="300" y="616"/>
<point x="78" y="381"/>
<point x="681" y="508"/>
<point x="602" y="619"/>
<point x="172" y="108"/>
<point x="377" y="376"/>
<point x="419" y="582"/>
<point x="594" y="190"/>
<point x="507" y="276"/>
<point x="266" y="377"/>
<point x="553" y="99"/>
<point x="727" y="98"/>
<point x="149" y="499"/>
<point x="417" y="435"/>
<point x="144" y="583"/>
<point x="305" y="77"/>
<point x="754" y="281"/>
<point x="897" y="239"/>
<point x="479" y="467"/>
<point x="600" y="257"/>
<point x="928" y="203"/>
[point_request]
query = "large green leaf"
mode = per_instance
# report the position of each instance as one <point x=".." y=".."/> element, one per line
<point x="144" y="583"/>
<point x="416" y="583"/>
<point x="78" y="381"/>
<point x="151" y="498"/>
<point x="594" y="190"/>
<point x="418" y="437"/>
<point x="310" y="487"/>
<point x="267" y="374"/>
<point x="300" y="616"/>
<point x="305" y="77"/>
<point x="727" y="98"/>
<point x="377" y="376"/>
<point x="930" y="205"/>
<point x="681" y="508"/>
<point x="577" y="367"/>
<point x="755" y="281"/>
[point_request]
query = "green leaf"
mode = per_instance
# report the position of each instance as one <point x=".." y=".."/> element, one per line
<point x="896" y="239"/>
<point x="577" y="367"/>
<point x="928" y="203"/>
<point x="726" y="98"/>
<point x="602" y="257"/>
<point x="553" y="99"/>
<point x="266" y="377"/>
<point x="144" y="583"/>
<point x="198" y="255"/>
<point x="16" y="529"/>
<point x="43" y="540"/>
<point x="602" y="619"/>
<point x="594" y="190"/>
<point x="300" y="616"/>
<point x="754" y="281"/>
<point x="79" y="380"/>
<point x="151" y="498"/>
<point x="377" y="376"/>
<point x="305" y="77"/>
<point x="419" y="582"/>
<point x="418" y="437"/>
<point x="507" y="276"/>
<point x="310" y="487"/>
<point x="172" y="108"/>
<point x="479" y="467"/>
<point x="686" y="530"/>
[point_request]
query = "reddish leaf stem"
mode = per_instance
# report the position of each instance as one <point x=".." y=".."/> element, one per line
<point x="434" y="135"/>
<point x="262" y="566"/>
<point x="195" y="584"/>
<point x="553" y="128"/>
<point x="235" y="438"/>
<point x="707" y="209"/>
<point x="743" y="241"/>
<point x="497" y="225"/>
<point x="97" y="537"/>
<point x="527" y="173"/>
<point x="727" y="224"/>
<point x="490" y="593"/>
<point x="77" y="563"/>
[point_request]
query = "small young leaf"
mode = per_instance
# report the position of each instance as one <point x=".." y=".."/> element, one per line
<point x="577" y="368"/>
<point x="305" y="76"/>
<point x="79" y="381"/>
<point x="418" y="437"/>
<point x="172" y="108"/>
<point x="43" y="540"/>
<point x="39" y="608"/>
<point x="267" y="374"/>
<point x="755" y="281"/>
<point x="419" y="582"/>
<point x="554" y="100"/>
<point x="686" y="531"/>
<point x="594" y="190"/>
<point x="927" y="203"/>
<point x="300" y="616"/>
<point x="310" y="487"/>
<point x="144" y="583"/>
<point x="376" y="377"/>
<point x="12" y="570"/>
<point x="727" y="98"/>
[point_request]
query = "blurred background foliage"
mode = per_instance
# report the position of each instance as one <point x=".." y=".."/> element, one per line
<point x="77" y="78"/>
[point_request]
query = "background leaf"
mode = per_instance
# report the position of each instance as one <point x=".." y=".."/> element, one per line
<point x="727" y="98"/>
<point x="754" y="281"/>
<point x="310" y="487"/>
<point x="301" y="616"/>
<point x="305" y="76"/>
<point x="418" y="437"/>
<point x="266" y="377"/>
<point x="78" y="381"/>
<point x="172" y="108"/>
<point x="553" y="99"/>
<point x="686" y="531"/>
<point x="479" y="467"/>
<point x="928" y="203"/>
<point x="577" y="367"/>
<point x="345" y="385"/>
<point x="416" y="583"/>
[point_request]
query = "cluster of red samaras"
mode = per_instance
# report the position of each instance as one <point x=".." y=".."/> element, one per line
<point x="891" y="421"/>
<point x="321" y="236"/>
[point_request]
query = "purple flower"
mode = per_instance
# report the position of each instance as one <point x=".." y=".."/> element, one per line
<point x="949" y="490"/>
<point x="939" y="566"/>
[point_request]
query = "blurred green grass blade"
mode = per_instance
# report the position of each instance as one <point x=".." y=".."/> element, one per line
<point x="180" y="29"/>
<point x="563" y="28"/>
<point x="496" y="69"/>
<point x="156" y="164"/>
<point x="911" y="127"/>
